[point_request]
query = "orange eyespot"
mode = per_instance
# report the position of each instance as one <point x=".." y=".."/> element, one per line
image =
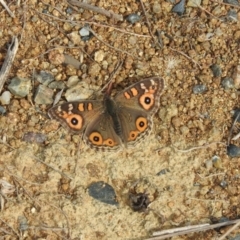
<point x="147" y="100"/>
<point x="74" y="121"/>
<point x="96" y="138"/>
<point x="133" y="135"/>
<point x="141" y="124"/>
<point x="109" y="142"/>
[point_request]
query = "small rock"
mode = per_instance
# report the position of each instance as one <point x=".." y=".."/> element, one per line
<point x="184" y="130"/>
<point x="233" y="151"/>
<point x="69" y="10"/>
<point x="236" y="77"/>
<point x="133" y="18"/>
<point x="5" y="98"/>
<point x="217" y="162"/>
<point x="99" y="55"/>
<point x="236" y="114"/>
<point x="84" y="32"/>
<point x="33" y="137"/>
<point x="227" y="83"/>
<point x="44" y="77"/>
<point x="156" y="7"/>
<point x="44" y="95"/>
<point x="94" y="69"/>
<point x="179" y="8"/>
<point x="103" y="192"/>
<point x="2" y="110"/>
<point x="232" y="15"/>
<point x="223" y="184"/>
<point x="163" y="172"/>
<point x="199" y="88"/>
<point x="75" y="38"/>
<point x="216" y="69"/>
<point x="23" y="223"/>
<point x="233" y="2"/>
<point x="57" y="85"/>
<point x="72" y="81"/>
<point x="194" y="3"/>
<point x="20" y="87"/>
<point x="78" y="92"/>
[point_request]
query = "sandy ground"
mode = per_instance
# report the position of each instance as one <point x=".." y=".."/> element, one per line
<point x="49" y="181"/>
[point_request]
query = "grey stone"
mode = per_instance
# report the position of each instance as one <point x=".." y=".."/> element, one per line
<point x="44" y="95"/>
<point x="20" y="87"/>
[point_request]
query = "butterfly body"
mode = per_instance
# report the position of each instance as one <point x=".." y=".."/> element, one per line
<point x="114" y="122"/>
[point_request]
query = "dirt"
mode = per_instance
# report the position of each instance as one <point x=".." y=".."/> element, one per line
<point x="48" y="196"/>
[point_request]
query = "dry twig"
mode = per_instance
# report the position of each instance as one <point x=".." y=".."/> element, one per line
<point x="11" y="53"/>
<point x="199" y="147"/>
<point x="186" y="56"/>
<point x="148" y="23"/>
<point x="190" y="229"/>
<point x="110" y="46"/>
<point x="96" y="9"/>
<point x="8" y="10"/>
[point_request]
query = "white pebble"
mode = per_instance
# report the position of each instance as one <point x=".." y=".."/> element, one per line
<point x="5" y="98"/>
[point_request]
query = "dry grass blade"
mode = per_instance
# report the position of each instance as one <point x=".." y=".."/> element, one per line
<point x="97" y="9"/>
<point x="191" y="229"/>
<point x="11" y="53"/>
<point x="6" y="7"/>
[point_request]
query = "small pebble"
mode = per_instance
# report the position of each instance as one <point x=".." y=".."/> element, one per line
<point x="20" y="87"/>
<point x="179" y="8"/>
<point x="44" y="77"/>
<point x="184" y="130"/>
<point x="69" y="10"/>
<point x="78" y="92"/>
<point x="2" y="110"/>
<point x="227" y="83"/>
<point x="233" y="2"/>
<point x="102" y="192"/>
<point x="72" y="81"/>
<point x="232" y="15"/>
<point x="156" y="7"/>
<point x="163" y="171"/>
<point x="5" y="98"/>
<point x="33" y="137"/>
<point x="223" y="184"/>
<point x="236" y="114"/>
<point x="217" y="162"/>
<point x="233" y="151"/>
<point x="133" y="18"/>
<point x="23" y="223"/>
<point x="84" y="32"/>
<point x="199" y="88"/>
<point x="57" y="85"/>
<point x="236" y="76"/>
<point x="194" y="3"/>
<point x="99" y="55"/>
<point x="216" y="69"/>
<point x="44" y="95"/>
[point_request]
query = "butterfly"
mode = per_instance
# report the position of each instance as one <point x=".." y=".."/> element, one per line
<point x="113" y="122"/>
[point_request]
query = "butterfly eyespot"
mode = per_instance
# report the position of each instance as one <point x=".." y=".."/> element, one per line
<point x="109" y="142"/>
<point x="96" y="138"/>
<point x="141" y="124"/>
<point x="74" y="121"/>
<point x="133" y="135"/>
<point x="147" y="101"/>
